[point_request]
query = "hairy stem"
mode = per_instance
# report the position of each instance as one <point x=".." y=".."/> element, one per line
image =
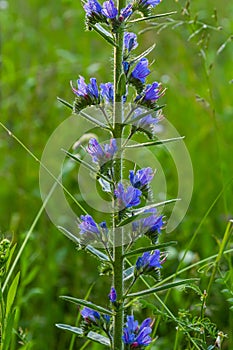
<point x="118" y="252"/>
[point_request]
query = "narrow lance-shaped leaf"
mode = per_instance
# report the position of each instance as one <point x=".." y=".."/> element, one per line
<point x="98" y="338"/>
<point x="69" y="328"/>
<point x="128" y="273"/>
<point x="104" y="33"/>
<point x="149" y="248"/>
<point x="11" y="293"/>
<point x="141" y="212"/>
<point x="88" y="304"/>
<point x="163" y="287"/>
<point x="93" y="120"/>
<point x="97" y="253"/>
<point x="67" y="104"/>
<point x="144" y="53"/>
<point x="155" y="143"/>
<point x="148" y="18"/>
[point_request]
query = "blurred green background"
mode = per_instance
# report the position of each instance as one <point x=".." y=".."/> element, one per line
<point x="43" y="46"/>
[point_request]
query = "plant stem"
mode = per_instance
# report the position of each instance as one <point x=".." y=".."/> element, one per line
<point x="118" y="251"/>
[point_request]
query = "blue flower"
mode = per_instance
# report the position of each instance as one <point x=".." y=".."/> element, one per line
<point x="92" y="8"/>
<point x="142" y="177"/>
<point x="149" y="261"/>
<point x="127" y="198"/>
<point x="100" y="154"/>
<point x="146" y="123"/>
<point x="126" y="12"/>
<point x="88" y="226"/>
<point x="86" y="94"/>
<point x="109" y="10"/>
<point x="152" y="92"/>
<point x="130" y="41"/>
<point x="150" y="226"/>
<point x="112" y="295"/>
<point x="137" y="337"/>
<point x="152" y="3"/>
<point x="86" y="90"/>
<point x="107" y="91"/>
<point x="141" y="70"/>
<point x="126" y="66"/>
<point x="90" y="315"/>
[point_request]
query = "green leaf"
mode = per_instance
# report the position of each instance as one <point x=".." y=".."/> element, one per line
<point x="155" y="205"/>
<point x="155" y="143"/>
<point x="98" y="338"/>
<point x="97" y="253"/>
<point x="149" y="248"/>
<point x="148" y="18"/>
<point x="141" y="212"/>
<point x="11" y="293"/>
<point x="163" y="287"/>
<point x="8" y="331"/>
<point x="88" y="304"/>
<point x="128" y="273"/>
<point x="121" y="85"/>
<point x="103" y="32"/>
<point x="93" y="120"/>
<point x="69" y="328"/>
<point x="67" y="104"/>
<point x="144" y="54"/>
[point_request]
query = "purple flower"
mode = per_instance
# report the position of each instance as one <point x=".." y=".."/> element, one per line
<point x="127" y="198"/>
<point x="152" y="92"/>
<point x="88" y="226"/>
<point x="112" y="295"/>
<point x="137" y="337"/>
<point x="107" y="91"/>
<point x="90" y="315"/>
<point x="87" y="94"/>
<point x="100" y="154"/>
<point x="141" y="70"/>
<point x="150" y="226"/>
<point x="126" y="12"/>
<point x="109" y="10"/>
<point x="142" y="177"/>
<point x="148" y="262"/>
<point x="152" y="3"/>
<point x="86" y="90"/>
<point x="92" y="8"/>
<point x="147" y="123"/>
<point x="130" y="41"/>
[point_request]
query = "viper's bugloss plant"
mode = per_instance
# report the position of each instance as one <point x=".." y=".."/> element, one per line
<point x="133" y="212"/>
